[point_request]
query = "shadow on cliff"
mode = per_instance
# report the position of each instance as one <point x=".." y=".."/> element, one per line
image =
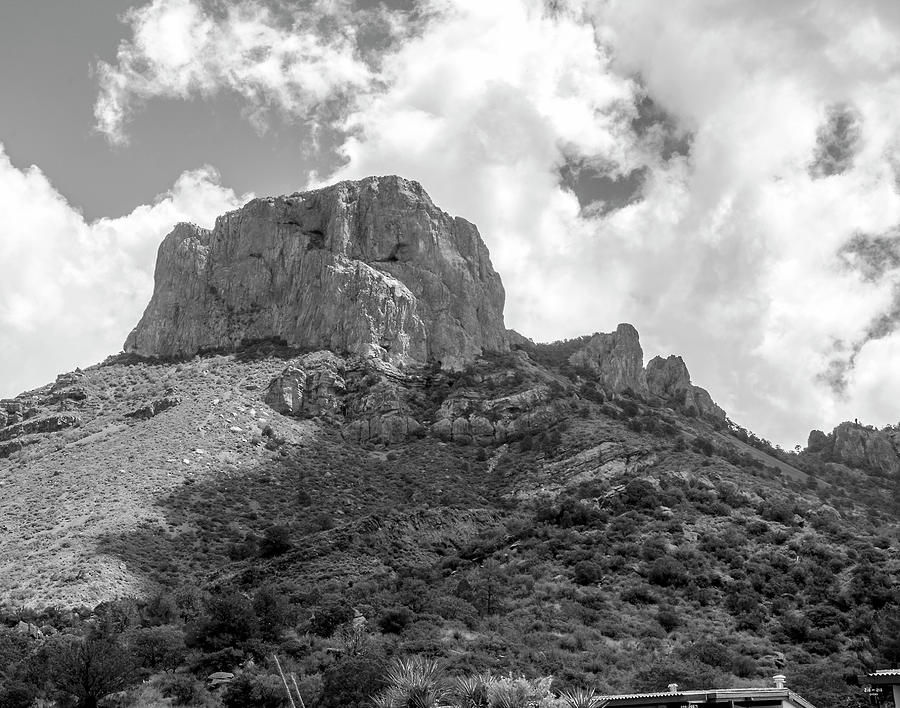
<point x="214" y="527"/>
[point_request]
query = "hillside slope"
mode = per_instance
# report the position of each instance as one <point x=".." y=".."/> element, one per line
<point x="529" y="519"/>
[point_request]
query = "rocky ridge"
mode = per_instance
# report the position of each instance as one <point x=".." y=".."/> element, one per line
<point x="371" y="268"/>
<point x="617" y="361"/>
<point x="856" y="445"/>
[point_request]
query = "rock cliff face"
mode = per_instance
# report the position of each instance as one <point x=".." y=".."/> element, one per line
<point x="615" y="358"/>
<point x="369" y="267"/>
<point x="669" y="379"/>
<point x="859" y="446"/>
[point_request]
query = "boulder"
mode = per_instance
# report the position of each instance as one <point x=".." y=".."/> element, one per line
<point x="370" y="267"/>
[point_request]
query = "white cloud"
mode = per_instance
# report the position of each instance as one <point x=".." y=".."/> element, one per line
<point x="71" y="290"/>
<point x="179" y="49"/>
<point x="731" y="257"/>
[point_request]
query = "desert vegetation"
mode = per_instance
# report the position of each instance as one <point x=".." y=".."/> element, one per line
<point x="621" y="546"/>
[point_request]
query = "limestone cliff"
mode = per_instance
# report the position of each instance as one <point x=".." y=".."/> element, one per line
<point x="669" y="380"/>
<point x="615" y="358"/>
<point x="617" y="361"/>
<point x="370" y="267"/>
<point x="856" y="445"/>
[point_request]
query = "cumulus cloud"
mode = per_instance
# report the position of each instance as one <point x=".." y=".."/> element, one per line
<point x="181" y="49"/>
<point x="755" y="136"/>
<point x="70" y="290"/>
<point x="754" y="145"/>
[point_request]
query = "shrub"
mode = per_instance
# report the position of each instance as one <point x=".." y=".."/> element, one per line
<point x="332" y="612"/>
<point x="14" y="694"/>
<point x="395" y="620"/>
<point x="182" y="689"/>
<point x="228" y="621"/>
<point x="353" y="679"/>
<point x="668" y="618"/>
<point x="249" y="690"/>
<point x="667" y="571"/>
<point x="275" y="541"/>
<point x="587" y="572"/>
<point x="271" y="610"/>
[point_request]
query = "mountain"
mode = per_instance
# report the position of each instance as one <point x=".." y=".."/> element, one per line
<point x="321" y="442"/>
<point x="369" y="267"/>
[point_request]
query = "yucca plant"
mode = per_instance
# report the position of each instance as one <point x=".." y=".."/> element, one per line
<point x="471" y="691"/>
<point x="414" y="682"/>
<point x="520" y="692"/>
<point x="579" y="698"/>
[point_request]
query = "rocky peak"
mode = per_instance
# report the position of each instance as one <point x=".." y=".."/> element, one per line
<point x="858" y="445"/>
<point x="371" y="267"/>
<point x="615" y="358"/>
<point x="670" y="380"/>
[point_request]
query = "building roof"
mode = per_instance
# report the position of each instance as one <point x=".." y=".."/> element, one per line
<point x="753" y="696"/>
<point x="881" y="677"/>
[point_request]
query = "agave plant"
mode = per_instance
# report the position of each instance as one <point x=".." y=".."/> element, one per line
<point x="579" y="698"/>
<point x="414" y="682"/>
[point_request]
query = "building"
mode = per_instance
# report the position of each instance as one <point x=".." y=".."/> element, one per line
<point x="778" y="696"/>
<point x="883" y="687"/>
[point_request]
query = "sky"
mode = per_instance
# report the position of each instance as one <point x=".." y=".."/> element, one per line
<point x="724" y="175"/>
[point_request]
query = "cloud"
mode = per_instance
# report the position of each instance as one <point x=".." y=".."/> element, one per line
<point x="71" y="290"/>
<point x="181" y="49"/>
<point x="733" y="254"/>
<point x="753" y="146"/>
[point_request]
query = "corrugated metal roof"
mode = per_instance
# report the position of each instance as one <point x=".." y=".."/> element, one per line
<point x="702" y="695"/>
<point x="886" y="672"/>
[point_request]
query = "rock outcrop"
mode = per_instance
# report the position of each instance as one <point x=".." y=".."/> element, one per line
<point x="860" y="446"/>
<point x="312" y="385"/>
<point x="154" y="408"/>
<point x="41" y="424"/>
<point x="616" y="359"/>
<point x="669" y="380"/>
<point x="369" y="267"/>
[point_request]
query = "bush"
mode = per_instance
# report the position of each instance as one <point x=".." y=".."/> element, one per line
<point x="182" y="689"/>
<point x="666" y="571"/>
<point x="332" y="612"/>
<point x="249" y="690"/>
<point x="587" y="572"/>
<point x="395" y="620"/>
<point x="16" y="695"/>
<point x="668" y="618"/>
<point x="228" y="621"/>
<point x="275" y="541"/>
<point x="353" y="679"/>
<point x="271" y="610"/>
